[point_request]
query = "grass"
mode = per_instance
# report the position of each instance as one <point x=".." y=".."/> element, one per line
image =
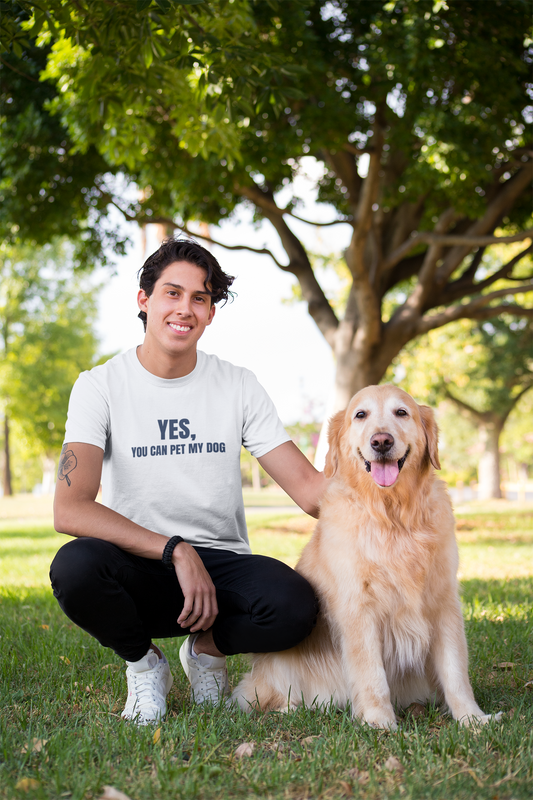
<point x="61" y="694"/>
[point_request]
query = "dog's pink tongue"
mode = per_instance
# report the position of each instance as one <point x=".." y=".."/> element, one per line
<point x="384" y="473"/>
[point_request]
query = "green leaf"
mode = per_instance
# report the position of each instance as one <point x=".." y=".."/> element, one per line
<point x="143" y="4"/>
<point x="147" y="54"/>
<point x="296" y="94"/>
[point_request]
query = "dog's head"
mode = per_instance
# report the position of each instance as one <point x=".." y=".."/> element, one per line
<point x="382" y="432"/>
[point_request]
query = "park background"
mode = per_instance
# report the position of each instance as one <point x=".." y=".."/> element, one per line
<point x="371" y="162"/>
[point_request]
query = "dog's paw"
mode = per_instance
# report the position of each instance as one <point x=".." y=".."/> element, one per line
<point x="480" y="719"/>
<point x="381" y="721"/>
<point x="384" y="726"/>
<point x="287" y="708"/>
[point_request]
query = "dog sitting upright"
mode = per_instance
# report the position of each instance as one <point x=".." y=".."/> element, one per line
<point x="383" y="562"/>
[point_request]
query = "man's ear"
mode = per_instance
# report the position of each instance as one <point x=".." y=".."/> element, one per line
<point x="142" y="300"/>
<point x="211" y="313"/>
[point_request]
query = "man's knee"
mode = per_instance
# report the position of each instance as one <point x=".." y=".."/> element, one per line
<point x="291" y="608"/>
<point x="76" y="568"/>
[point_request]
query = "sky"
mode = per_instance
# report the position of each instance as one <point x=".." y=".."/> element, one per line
<point x="277" y="340"/>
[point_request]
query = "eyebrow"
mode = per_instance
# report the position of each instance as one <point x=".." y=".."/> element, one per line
<point x="177" y="286"/>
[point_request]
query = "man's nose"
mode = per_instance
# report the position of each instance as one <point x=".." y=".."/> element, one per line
<point x="184" y="306"/>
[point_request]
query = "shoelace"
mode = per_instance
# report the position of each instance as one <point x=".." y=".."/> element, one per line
<point x="210" y="681"/>
<point x="143" y="687"/>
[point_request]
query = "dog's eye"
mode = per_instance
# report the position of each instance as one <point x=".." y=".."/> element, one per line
<point x="360" y="415"/>
<point x="401" y="412"/>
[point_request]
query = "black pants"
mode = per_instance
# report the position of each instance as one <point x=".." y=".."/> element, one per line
<point x="125" y="601"/>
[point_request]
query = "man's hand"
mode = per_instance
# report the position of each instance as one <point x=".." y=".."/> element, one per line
<point x="200" y="606"/>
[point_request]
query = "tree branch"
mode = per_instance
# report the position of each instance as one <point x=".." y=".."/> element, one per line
<point x="145" y="220"/>
<point x="368" y="307"/>
<point x="502" y="202"/>
<point x="261" y="251"/>
<point x="468" y="410"/>
<point x="476" y="309"/>
<point x="356" y="151"/>
<point x="299" y="264"/>
<point x="24" y="75"/>
<point x="275" y="209"/>
<point x="345" y="220"/>
<point x="447" y="240"/>
<point x="459" y="289"/>
<point x="345" y="168"/>
<point x="514" y="400"/>
<point x="415" y="303"/>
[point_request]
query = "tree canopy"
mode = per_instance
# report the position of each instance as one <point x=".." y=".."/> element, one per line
<point x="484" y="369"/>
<point x="46" y="339"/>
<point x="416" y="110"/>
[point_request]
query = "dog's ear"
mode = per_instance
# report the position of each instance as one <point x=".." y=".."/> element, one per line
<point x="332" y="456"/>
<point x="432" y="434"/>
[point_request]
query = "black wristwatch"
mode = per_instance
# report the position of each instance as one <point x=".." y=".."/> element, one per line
<point x="166" y="558"/>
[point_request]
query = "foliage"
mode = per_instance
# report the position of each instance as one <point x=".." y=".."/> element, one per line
<point x="46" y="318"/>
<point x="47" y="187"/>
<point x="416" y="111"/>
<point x="62" y="694"/>
<point x="517" y="437"/>
<point x="484" y="369"/>
<point x="488" y="365"/>
<point x="119" y="75"/>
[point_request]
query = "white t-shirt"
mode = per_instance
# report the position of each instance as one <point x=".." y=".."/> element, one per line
<point x="172" y="447"/>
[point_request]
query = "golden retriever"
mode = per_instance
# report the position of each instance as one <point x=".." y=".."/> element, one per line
<point x="383" y="562"/>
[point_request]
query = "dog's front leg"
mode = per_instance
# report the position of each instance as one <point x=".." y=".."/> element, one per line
<point x="449" y="659"/>
<point x="366" y="680"/>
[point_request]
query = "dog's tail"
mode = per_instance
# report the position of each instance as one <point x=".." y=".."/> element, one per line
<point x="254" y="693"/>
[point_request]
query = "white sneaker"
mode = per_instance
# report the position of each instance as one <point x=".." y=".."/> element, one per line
<point x="149" y="682"/>
<point x="208" y="675"/>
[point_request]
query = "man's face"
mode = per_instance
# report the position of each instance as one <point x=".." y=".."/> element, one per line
<point x="178" y="310"/>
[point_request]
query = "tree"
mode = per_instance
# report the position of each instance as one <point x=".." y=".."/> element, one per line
<point x="47" y="318"/>
<point x="416" y="111"/>
<point x="484" y="369"/>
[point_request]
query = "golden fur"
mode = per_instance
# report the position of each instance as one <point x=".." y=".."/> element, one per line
<point x="383" y="562"/>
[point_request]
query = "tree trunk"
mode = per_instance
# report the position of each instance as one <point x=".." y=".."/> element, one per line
<point x="8" y="489"/>
<point x="489" y="460"/>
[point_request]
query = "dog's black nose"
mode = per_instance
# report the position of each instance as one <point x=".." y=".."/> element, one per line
<point x="382" y="442"/>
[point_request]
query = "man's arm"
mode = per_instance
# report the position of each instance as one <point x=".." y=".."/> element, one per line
<point x="77" y="513"/>
<point x="296" y="475"/>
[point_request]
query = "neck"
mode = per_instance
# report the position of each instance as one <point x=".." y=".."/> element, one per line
<point x="166" y="365"/>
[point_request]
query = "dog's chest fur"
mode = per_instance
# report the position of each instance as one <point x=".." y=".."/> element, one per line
<point x="382" y="572"/>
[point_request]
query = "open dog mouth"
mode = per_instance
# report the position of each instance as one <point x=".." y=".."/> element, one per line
<point x="385" y="473"/>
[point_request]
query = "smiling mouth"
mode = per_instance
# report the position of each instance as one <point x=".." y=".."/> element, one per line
<point x="180" y="328"/>
<point x="385" y="473"/>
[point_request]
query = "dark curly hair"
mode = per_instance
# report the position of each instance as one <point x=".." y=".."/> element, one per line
<point x="216" y="283"/>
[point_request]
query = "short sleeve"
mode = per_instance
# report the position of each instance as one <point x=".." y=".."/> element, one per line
<point x="262" y="428"/>
<point x="88" y="413"/>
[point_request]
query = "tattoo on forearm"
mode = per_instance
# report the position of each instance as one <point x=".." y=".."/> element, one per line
<point x="67" y="463"/>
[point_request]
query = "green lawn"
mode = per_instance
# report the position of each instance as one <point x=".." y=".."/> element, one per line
<point x="61" y="694"/>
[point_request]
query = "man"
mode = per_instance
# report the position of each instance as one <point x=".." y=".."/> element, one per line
<point x="166" y="552"/>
